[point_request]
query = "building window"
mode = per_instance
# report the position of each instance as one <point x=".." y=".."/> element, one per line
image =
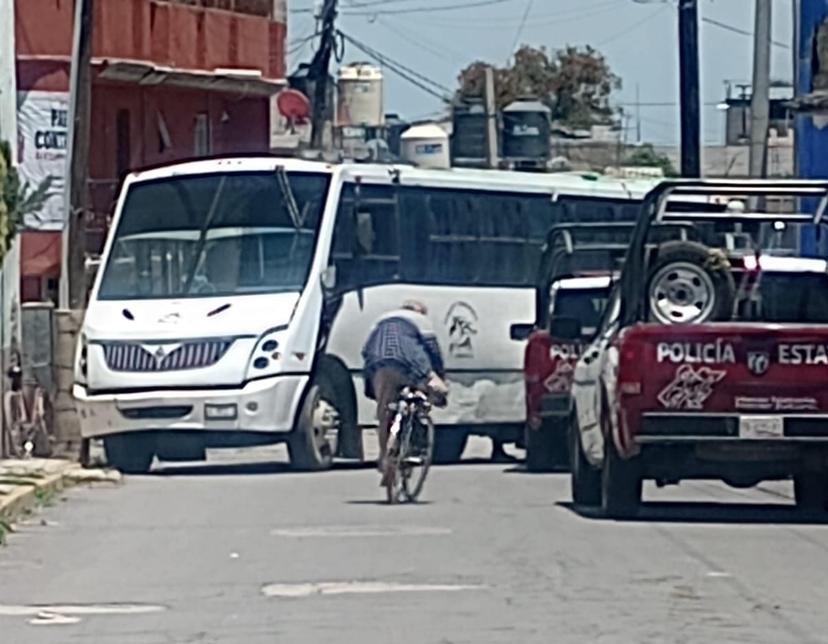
<point x="201" y="135"/>
<point x="123" y="148"/>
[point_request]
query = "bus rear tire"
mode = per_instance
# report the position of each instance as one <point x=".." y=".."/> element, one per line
<point x="313" y="443"/>
<point x="449" y="445"/>
<point x="130" y="453"/>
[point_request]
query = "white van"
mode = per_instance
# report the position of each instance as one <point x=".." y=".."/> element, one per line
<point x="235" y="296"/>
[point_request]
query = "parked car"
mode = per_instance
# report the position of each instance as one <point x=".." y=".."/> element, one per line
<point x="711" y="360"/>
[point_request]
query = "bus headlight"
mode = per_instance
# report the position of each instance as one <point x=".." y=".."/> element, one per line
<point x="267" y="355"/>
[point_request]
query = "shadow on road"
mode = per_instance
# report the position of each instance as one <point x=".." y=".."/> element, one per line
<point x="521" y="469"/>
<point x="705" y="512"/>
<point x="246" y="469"/>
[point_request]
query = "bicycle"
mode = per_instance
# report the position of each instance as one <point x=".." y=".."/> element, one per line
<point x="410" y="446"/>
<point x="28" y="433"/>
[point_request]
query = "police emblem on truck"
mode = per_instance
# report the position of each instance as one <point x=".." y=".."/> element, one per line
<point x="758" y="362"/>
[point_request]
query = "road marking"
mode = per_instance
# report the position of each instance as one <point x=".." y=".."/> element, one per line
<point x="359" y="588"/>
<point x="359" y="531"/>
<point x="718" y="574"/>
<point x="46" y="618"/>
<point x="66" y="614"/>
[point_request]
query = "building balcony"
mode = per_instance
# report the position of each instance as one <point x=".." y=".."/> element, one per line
<point x="196" y="35"/>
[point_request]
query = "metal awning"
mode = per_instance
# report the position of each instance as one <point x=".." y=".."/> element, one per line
<point x="249" y="83"/>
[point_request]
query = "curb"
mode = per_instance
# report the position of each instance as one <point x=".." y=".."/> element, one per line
<point x="32" y="488"/>
<point x="28" y="497"/>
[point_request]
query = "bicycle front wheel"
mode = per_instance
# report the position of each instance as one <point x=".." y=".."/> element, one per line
<point x="417" y="450"/>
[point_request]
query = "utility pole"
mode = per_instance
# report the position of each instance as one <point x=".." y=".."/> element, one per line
<point x="319" y="72"/>
<point x="73" y="273"/>
<point x="8" y="84"/>
<point x="760" y="101"/>
<point x="637" y="115"/>
<point x="690" y="103"/>
<point x="491" y="118"/>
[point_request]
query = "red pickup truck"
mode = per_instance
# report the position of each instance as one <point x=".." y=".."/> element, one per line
<point x="711" y="360"/>
<point x="574" y="280"/>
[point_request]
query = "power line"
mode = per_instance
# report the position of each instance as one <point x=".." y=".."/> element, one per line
<point x="538" y="19"/>
<point x="630" y="28"/>
<point x="739" y="30"/>
<point x="422" y="9"/>
<point x="413" y="77"/>
<point x="522" y="25"/>
<point x="422" y="44"/>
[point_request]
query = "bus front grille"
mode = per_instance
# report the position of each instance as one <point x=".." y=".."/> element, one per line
<point x="135" y="357"/>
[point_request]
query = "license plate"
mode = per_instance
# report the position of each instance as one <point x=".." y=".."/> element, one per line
<point x="761" y="427"/>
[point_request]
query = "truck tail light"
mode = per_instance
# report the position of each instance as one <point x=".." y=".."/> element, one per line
<point x="630" y="374"/>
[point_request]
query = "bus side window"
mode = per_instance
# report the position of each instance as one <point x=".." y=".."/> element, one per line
<point x="366" y="237"/>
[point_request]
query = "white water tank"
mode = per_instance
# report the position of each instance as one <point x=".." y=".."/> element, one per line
<point x="426" y="146"/>
<point x="359" y="96"/>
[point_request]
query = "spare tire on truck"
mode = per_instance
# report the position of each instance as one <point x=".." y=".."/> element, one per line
<point x="690" y="283"/>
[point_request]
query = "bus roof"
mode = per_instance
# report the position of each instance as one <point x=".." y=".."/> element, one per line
<point x="570" y="183"/>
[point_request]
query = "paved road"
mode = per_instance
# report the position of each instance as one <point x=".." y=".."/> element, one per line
<point x="231" y="553"/>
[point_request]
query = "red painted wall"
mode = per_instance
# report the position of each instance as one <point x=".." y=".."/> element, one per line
<point x="167" y="34"/>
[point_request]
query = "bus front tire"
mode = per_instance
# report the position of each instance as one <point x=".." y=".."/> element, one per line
<point x="313" y="442"/>
<point x="130" y="453"/>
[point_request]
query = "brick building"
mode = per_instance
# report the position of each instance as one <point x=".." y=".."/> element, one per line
<point x="173" y="79"/>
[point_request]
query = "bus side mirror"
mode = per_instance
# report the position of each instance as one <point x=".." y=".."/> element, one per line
<point x="520" y="332"/>
<point x="564" y="328"/>
<point x="328" y="279"/>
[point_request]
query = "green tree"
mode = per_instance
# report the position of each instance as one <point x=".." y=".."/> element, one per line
<point x="18" y="200"/>
<point x="576" y="83"/>
<point x="647" y="157"/>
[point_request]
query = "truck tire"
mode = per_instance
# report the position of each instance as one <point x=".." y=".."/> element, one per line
<point x="546" y="447"/>
<point x="130" y="453"/>
<point x="313" y="442"/>
<point x="811" y="491"/>
<point x="620" y="485"/>
<point x="690" y="283"/>
<point x="449" y="445"/>
<point x="586" y="480"/>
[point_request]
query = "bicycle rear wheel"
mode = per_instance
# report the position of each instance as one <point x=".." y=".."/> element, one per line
<point x="416" y="454"/>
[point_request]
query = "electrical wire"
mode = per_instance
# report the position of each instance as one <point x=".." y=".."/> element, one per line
<point x="428" y="9"/>
<point x="630" y="28"/>
<point x="519" y="33"/>
<point x="412" y="76"/>
<point x="422" y="44"/>
<point x="739" y="30"/>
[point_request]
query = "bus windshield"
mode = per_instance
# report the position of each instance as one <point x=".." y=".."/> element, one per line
<point x="215" y="235"/>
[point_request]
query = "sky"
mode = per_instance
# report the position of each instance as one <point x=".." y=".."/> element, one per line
<point x="639" y="38"/>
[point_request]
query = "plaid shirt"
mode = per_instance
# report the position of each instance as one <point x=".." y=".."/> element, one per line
<point x="398" y="342"/>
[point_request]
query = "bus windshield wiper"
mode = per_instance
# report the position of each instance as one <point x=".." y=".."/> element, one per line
<point x="202" y="235"/>
<point x="295" y="214"/>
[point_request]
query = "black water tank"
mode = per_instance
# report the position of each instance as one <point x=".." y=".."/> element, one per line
<point x="526" y="131"/>
<point x="468" y="139"/>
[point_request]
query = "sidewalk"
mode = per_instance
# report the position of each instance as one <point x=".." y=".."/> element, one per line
<point x="26" y="484"/>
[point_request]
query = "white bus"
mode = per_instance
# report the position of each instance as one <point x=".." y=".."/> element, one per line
<point x="235" y="296"/>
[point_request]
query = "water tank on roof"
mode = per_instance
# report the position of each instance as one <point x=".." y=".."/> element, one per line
<point x="359" y="102"/>
<point x="426" y="146"/>
<point x="468" y="140"/>
<point x="526" y="132"/>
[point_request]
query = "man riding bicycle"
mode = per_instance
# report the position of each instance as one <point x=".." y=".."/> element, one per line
<point x="401" y="351"/>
